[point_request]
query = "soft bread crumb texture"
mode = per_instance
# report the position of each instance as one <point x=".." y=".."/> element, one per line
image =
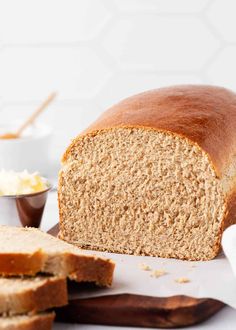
<point x="31" y="240"/>
<point x="141" y="191"/>
<point x="10" y="285"/>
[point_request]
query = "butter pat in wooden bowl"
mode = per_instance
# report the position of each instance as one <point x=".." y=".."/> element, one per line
<point x="22" y="198"/>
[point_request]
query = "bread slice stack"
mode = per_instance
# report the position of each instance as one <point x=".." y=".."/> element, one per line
<point x="24" y="300"/>
<point x="34" y="267"/>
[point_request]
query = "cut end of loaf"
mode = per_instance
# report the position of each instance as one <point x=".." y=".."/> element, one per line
<point x="141" y="191"/>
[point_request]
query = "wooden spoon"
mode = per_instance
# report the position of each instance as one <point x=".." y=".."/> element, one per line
<point x="30" y="120"/>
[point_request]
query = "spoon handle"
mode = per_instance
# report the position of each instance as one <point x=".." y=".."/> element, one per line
<point x="36" y="113"/>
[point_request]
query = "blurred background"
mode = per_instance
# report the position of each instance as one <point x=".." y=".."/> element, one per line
<point x="96" y="52"/>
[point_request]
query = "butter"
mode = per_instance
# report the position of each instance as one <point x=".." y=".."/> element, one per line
<point x="21" y="183"/>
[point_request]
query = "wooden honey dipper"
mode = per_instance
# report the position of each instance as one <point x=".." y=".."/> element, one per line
<point x="30" y="120"/>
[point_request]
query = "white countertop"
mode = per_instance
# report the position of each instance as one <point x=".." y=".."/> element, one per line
<point x="225" y="319"/>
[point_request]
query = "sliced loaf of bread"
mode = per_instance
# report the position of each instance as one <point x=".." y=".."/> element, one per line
<point x="154" y="175"/>
<point x="41" y="321"/>
<point x="28" y="251"/>
<point x="32" y="294"/>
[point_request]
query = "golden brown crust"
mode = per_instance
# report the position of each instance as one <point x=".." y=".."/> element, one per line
<point x="78" y="267"/>
<point x="87" y="269"/>
<point x="39" y="322"/>
<point x="66" y="262"/>
<point x="51" y="293"/>
<point x="20" y="263"/>
<point x="205" y="115"/>
<point x="81" y="268"/>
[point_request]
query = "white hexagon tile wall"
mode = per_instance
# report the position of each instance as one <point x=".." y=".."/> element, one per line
<point x="96" y="52"/>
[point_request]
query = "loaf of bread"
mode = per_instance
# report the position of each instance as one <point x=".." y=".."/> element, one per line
<point x="27" y="295"/>
<point x="154" y="175"/>
<point x="28" y="251"/>
<point x="42" y="321"/>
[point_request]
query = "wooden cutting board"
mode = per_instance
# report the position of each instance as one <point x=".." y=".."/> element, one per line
<point x="137" y="310"/>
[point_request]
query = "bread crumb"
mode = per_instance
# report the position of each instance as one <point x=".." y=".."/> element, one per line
<point x="192" y="266"/>
<point x="159" y="272"/>
<point x="145" y="267"/>
<point x="182" y="280"/>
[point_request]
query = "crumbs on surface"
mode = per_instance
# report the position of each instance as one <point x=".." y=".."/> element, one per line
<point x="159" y="272"/>
<point x="182" y="280"/>
<point x="144" y="267"/>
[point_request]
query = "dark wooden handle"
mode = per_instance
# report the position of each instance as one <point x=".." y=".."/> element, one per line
<point x="139" y="311"/>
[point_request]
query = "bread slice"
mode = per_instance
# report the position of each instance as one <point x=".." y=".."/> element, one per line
<point x="154" y="175"/>
<point x="28" y="251"/>
<point x="24" y="295"/>
<point x="42" y="321"/>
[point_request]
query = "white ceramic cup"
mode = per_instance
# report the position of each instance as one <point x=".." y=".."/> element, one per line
<point x="229" y="246"/>
<point x="30" y="152"/>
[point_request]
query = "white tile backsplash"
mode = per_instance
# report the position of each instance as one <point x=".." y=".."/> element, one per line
<point x="222" y="16"/>
<point x="148" y="42"/>
<point x="124" y="83"/>
<point x="74" y="72"/>
<point x="51" y="21"/>
<point x="222" y="70"/>
<point x="96" y="52"/>
<point x="162" y="6"/>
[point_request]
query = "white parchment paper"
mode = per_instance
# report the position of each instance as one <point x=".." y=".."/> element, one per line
<point x="208" y="279"/>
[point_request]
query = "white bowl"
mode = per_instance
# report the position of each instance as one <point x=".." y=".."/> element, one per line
<point x="30" y="152"/>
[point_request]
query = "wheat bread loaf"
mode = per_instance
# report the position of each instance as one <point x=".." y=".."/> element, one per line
<point x="154" y="175"/>
<point x="32" y="294"/>
<point x="28" y="251"/>
<point x="41" y="321"/>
